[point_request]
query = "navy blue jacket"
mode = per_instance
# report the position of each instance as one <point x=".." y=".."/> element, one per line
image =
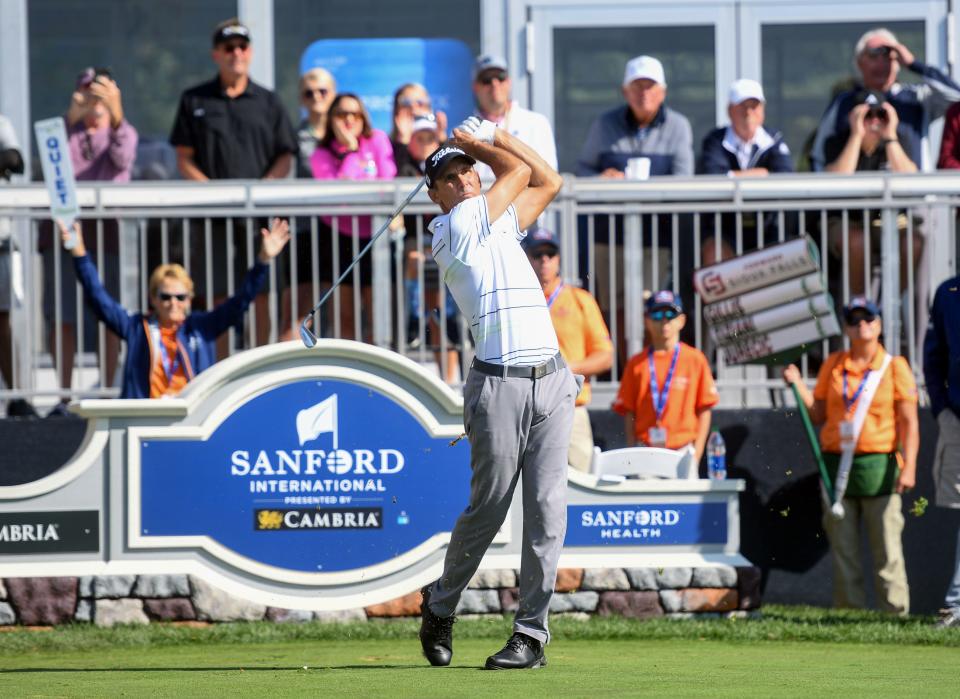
<point x="196" y="338"/>
<point x="916" y="105"/>
<point x="715" y="159"/>
<point x="941" y="349"/>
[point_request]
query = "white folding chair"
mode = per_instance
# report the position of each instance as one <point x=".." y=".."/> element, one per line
<point x="616" y="465"/>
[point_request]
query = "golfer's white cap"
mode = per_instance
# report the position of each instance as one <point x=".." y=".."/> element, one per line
<point x="644" y="67"/>
<point x="745" y="89"/>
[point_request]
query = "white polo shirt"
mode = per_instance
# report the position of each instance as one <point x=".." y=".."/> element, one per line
<point x="530" y="127"/>
<point x="493" y="284"/>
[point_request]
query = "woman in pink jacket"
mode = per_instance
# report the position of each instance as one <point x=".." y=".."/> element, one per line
<point x="352" y="150"/>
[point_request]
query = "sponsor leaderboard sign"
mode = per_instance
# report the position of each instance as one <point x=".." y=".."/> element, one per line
<point x="309" y="476"/>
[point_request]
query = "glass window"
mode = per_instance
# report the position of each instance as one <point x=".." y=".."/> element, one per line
<point x="588" y="65"/>
<point x="298" y="23"/>
<point x="154" y="50"/>
<point x="804" y="65"/>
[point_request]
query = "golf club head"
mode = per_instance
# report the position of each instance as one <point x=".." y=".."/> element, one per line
<point x="306" y="335"/>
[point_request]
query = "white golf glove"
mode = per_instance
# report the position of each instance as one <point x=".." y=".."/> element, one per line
<point x="480" y="130"/>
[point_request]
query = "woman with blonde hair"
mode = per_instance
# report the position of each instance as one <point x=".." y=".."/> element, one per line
<point x="168" y="346"/>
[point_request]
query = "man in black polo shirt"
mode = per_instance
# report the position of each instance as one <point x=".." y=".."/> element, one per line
<point x="231" y="128"/>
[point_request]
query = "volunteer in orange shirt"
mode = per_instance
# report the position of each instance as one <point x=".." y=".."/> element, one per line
<point x="866" y="401"/>
<point x="583" y="336"/>
<point x="667" y="391"/>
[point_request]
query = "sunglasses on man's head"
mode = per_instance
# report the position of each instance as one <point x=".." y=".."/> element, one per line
<point x="164" y="296"/>
<point x="663" y="314"/>
<point x="488" y="78"/>
<point x="877" y="51"/>
<point x="310" y="92"/>
<point x="854" y="319"/>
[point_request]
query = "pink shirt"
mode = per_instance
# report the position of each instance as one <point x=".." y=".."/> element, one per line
<point x="103" y="155"/>
<point x="373" y="160"/>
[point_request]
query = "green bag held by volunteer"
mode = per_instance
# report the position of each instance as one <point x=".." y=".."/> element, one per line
<point x="871" y="475"/>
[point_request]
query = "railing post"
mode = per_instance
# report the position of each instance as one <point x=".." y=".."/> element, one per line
<point x="890" y="275"/>
<point x="633" y="282"/>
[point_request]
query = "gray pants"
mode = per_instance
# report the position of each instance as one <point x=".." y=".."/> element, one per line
<point x="518" y="428"/>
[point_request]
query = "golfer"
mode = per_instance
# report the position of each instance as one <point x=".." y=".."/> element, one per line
<point x="519" y="395"/>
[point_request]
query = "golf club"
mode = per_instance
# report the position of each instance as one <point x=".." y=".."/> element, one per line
<point x="307" y="336"/>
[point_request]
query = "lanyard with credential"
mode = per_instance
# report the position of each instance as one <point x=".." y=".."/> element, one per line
<point x="169" y="364"/>
<point x="554" y="295"/>
<point x="851" y="401"/>
<point x="660" y="397"/>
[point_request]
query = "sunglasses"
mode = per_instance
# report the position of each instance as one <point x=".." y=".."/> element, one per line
<point x="344" y="115"/>
<point x="665" y="314"/>
<point x="537" y="254"/>
<point x="407" y="102"/>
<point x="854" y="319"/>
<point x="878" y="51"/>
<point x="309" y="93"/>
<point x="488" y="78"/>
<point x="234" y="46"/>
<point x="164" y="296"/>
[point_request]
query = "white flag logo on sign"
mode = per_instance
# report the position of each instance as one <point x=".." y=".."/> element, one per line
<point x="318" y="419"/>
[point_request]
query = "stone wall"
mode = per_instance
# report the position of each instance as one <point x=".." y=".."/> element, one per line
<point x="140" y="599"/>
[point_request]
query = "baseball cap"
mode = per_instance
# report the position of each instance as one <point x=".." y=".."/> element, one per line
<point x="662" y="300"/>
<point x="743" y="90"/>
<point x="874" y="98"/>
<point x="425" y="122"/>
<point x="644" y="67"/>
<point x="439" y="160"/>
<point x="860" y="303"/>
<point x="231" y="30"/>
<point x="487" y="61"/>
<point x="541" y="237"/>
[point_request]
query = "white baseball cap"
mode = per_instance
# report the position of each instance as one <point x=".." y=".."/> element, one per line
<point x="745" y="89"/>
<point x="644" y="67"/>
<point x="424" y="122"/>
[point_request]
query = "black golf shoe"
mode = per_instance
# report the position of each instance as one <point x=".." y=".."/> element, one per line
<point x="436" y="633"/>
<point x="522" y="652"/>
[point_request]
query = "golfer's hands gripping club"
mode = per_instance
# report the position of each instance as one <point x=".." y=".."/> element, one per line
<point x="479" y="130"/>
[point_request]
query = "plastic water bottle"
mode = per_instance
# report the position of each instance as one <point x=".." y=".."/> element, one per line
<point x="716" y="456"/>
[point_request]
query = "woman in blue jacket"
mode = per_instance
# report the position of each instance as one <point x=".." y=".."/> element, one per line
<point x="170" y="345"/>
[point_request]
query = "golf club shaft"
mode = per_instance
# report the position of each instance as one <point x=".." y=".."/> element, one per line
<point x="369" y="244"/>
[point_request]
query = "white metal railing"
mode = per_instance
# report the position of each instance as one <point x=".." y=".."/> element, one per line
<point x="619" y="238"/>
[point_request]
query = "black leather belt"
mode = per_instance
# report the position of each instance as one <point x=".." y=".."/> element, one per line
<point x="553" y="364"/>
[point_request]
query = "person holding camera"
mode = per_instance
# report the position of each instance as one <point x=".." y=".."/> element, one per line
<point x="874" y="141"/>
<point x="103" y="148"/>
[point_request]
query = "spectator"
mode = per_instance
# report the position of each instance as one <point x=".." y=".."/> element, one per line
<point x="583" y="336"/>
<point x="950" y="145"/>
<point x="352" y="150"/>
<point x="170" y="345"/>
<point x="644" y="128"/>
<point x="103" y="147"/>
<point x="878" y="58"/>
<point x="410" y="102"/>
<point x="11" y="163"/>
<point x="941" y="369"/>
<point x="874" y="141"/>
<point x="649" y="138"/>
<point x="866" y="401"/>
<point x="231" y="128"/>
<point x="491" y="90"/>
<point x="742" y="149"/>
<point x="317" y="92"/>
<point x="654" y="416"/>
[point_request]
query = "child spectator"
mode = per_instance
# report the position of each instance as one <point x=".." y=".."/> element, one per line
<point x="667" y="391"/>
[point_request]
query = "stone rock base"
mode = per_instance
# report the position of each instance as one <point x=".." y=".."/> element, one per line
<point x="640" y="593"/>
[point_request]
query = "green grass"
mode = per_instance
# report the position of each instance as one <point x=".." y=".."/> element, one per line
<point x="789" y="652"/>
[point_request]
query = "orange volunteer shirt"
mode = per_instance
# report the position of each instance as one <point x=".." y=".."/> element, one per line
<point x="879" y="433"/>
<point x="159" y="385"/>
<point x="692" y="391"/>
<point x="580" y="328"/>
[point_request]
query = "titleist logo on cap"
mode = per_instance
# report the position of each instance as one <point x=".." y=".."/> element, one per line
<point x="440" y="154"/>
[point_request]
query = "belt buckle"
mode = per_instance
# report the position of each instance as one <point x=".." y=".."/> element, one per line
<point x="539" y="371"/>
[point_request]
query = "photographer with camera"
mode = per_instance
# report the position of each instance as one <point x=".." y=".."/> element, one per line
<point x="875" y="141"/>
<point x="103" y="147"/>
